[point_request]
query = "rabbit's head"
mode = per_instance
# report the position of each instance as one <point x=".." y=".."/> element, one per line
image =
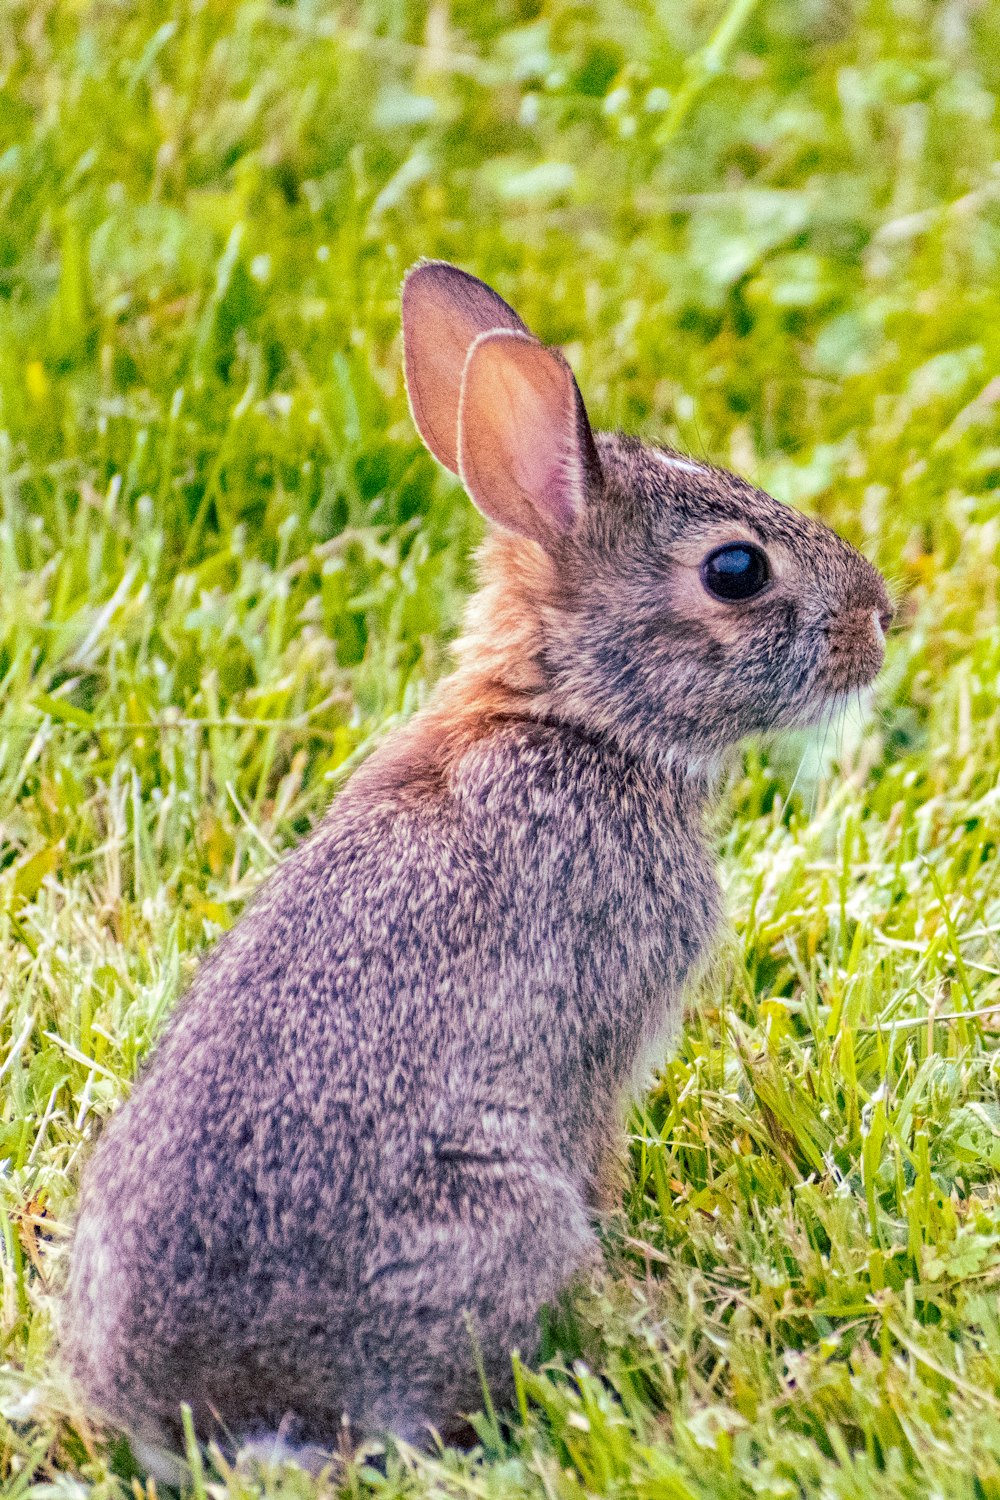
<point x="627" y="589"/>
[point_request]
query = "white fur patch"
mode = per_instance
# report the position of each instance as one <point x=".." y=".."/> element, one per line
<point x="669" y="462"/>
<point x="879" y="632"/>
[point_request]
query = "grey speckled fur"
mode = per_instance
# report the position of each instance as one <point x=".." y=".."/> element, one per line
<point x="382" y="1109"/>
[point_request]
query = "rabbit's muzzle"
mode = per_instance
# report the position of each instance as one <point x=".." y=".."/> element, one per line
<point x="856" y="645"/>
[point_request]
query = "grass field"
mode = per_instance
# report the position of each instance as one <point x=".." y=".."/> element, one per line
<point x="769" y="234"/>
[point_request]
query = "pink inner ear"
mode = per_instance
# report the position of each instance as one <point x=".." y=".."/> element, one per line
<point x="545" y="461"/>
<point x="521" y="424"/>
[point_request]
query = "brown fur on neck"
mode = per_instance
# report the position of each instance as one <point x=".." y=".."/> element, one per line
<point x="499" y="654"/>
<point x="499" y="673"/>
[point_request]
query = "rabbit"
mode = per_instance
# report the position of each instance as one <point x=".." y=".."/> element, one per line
<point x="372" y="1142"/>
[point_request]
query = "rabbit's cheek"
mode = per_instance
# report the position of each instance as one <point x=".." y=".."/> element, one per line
<point x="725" y="623"/>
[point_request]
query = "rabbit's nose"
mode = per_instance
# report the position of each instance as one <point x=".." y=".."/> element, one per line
<point x="857" y="644"/>
<point x="871" y="596"/>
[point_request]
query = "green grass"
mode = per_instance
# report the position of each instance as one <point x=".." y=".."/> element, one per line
<point x="768" y="234"/>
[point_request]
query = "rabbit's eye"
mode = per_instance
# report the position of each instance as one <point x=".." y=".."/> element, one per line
<point x="736" y="571"/>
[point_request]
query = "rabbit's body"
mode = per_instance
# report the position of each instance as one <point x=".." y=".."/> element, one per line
<point x="374" y="1132"/>
<point x="396" y="1091"/>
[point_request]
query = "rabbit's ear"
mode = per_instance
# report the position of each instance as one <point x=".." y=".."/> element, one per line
<point x="444" y="311"/>
<point x="526" y="452"/>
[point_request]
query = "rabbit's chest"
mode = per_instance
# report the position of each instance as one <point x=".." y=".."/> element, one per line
<point x="602" y="896"/>
<point x="619" y="902"/>
<point x="648" y="936"/>
<point x="612" y="944"/>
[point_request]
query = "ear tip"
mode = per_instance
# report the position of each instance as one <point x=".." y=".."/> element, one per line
<point x="417" y="278"/>
<point x="470" y="297"/>
<point x="425" y="266"/>
<point x="426" y="272"/>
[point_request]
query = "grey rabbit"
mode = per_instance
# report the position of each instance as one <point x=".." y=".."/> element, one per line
<point x="376" y="1130"/>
